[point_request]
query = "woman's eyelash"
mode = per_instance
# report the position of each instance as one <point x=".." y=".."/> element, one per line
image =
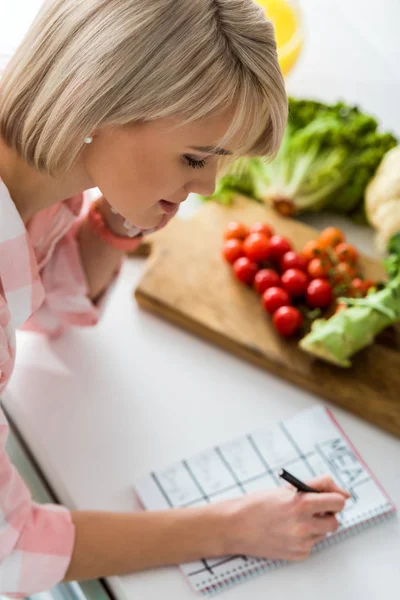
<point x="195" y="164"/>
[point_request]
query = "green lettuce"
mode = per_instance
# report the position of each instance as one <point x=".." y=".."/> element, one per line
<point x="328" y="155"/>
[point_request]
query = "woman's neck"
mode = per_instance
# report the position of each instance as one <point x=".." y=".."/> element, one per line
<point x="31" y="190"/>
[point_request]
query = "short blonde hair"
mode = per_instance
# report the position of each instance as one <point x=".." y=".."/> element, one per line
<point x="89" y="63"/>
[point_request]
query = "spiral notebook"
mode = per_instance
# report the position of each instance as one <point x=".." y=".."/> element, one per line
<point x="308" y="444"/>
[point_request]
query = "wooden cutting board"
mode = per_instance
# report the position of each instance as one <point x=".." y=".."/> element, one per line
<point x="187" y="282"/>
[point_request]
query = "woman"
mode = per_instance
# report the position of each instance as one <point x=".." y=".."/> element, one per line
<point x="144" y="99"/>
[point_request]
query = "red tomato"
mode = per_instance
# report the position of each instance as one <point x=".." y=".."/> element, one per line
<point x="361" y="286"/>
<point x="265" y="279"/>
<point x="245" y="270"/>
<point x="357" y="288"/>
<point x="346" y="253"/>
<point x="344" y="273"/>
<point x="331" y="237"/>
<point x="293" y="260"/>
<point x="275" y="297"/>
<point x="313" y="249"/>
<point x="368" y="284"/>
<point x="256" y="247"/>
<point x="287" y="320"/>
<point x="319" y="268"/>
<point x="319" y="293"/>
<point x="236" y="230"/>
<point x="295" y="282"/>
<point x="262" y="228"/>
<point x="278" y="246"/>
<point x="232" y="250"/>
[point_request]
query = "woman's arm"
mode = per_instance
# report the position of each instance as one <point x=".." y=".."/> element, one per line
<point x="278" y="524"/>
<point x="99" y="259"/>
<point x="108" y="544"/>
<point x="36" y="541"/>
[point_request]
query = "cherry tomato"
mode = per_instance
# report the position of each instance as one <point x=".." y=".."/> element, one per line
<point x="236" y="230"/>
<point x="313" y="249"/>
<point x="275" y="297"/>
<point x="346" y="253"/>
<point x="262" y="228"/>
<point x="295" y="282"/>
<point x="360" y="287"/>
<point x="256" y="247"/>
<point x="293" y="260"/>
<point x="344" y="273"/>
<point x="319" y="268"/>
<point x="278" y="246"/>
<point x="331" y="237"/>
<point x="319" y="293"/>
<point x="245" y="270"/>
<point x="357" y="288"/>
<point x="232" y="250"/>
<point x="368" y="284"/>
<point x="287" y="320"/>
<point x="265" y="279"/>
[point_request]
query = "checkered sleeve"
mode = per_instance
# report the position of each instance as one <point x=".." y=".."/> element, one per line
<point x="36" y="541"/>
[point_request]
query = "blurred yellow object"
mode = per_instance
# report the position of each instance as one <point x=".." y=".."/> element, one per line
<point x="285" y="15"/>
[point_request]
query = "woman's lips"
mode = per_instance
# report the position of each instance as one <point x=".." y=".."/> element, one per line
<point x="168" y="207"/>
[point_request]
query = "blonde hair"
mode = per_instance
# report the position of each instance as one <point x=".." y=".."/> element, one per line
<point x="90" y="63"/>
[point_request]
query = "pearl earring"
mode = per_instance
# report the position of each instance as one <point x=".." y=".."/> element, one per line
<point x="88" y="139"/>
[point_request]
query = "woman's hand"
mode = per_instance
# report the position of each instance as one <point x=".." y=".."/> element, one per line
<point x="274" y="524"/>
<point x="284" y="523"/>
<point x="100" y="261"/>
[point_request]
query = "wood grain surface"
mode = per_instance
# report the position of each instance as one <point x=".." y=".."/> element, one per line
<point x="187" y="282"/>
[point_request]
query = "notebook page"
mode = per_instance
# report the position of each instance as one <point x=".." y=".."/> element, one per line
<point x="308" y="444"/>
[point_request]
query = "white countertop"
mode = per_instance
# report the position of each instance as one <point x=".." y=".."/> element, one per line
<point x="102" y="406"/>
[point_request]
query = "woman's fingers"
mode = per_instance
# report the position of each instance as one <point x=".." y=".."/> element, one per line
<point x="324" y="525"/>
<point x="304" y="551"/>
<point x="324" y="503"/>
<point x="325" y="483"/>
<point x="316" y="539"/>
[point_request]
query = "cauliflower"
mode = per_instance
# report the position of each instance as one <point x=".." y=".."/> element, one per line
<point x="382" y="199"/>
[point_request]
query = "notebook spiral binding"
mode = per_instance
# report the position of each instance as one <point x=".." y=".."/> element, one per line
<point x="261" y="566"/>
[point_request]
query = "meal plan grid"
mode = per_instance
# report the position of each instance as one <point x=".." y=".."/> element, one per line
<point x="307" y="445"/>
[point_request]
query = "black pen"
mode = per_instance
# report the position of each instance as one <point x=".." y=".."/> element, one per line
<point x="301" y="487"/>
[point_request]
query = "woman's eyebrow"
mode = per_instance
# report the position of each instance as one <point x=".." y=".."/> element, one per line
<point x="211" y="150"/>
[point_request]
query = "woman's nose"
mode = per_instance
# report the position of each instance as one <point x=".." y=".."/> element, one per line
<point x="203" y="185"/>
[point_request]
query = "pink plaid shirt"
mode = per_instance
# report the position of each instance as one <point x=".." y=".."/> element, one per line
<point x="42" y="288"/>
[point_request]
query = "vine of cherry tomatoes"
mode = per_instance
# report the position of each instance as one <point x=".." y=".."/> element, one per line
<point x="293" y="284"/>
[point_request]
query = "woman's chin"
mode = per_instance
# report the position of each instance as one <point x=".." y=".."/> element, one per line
<point x="158" y="223"/>
<point x="163" y="221"/>
<point x="148" y="225"/>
